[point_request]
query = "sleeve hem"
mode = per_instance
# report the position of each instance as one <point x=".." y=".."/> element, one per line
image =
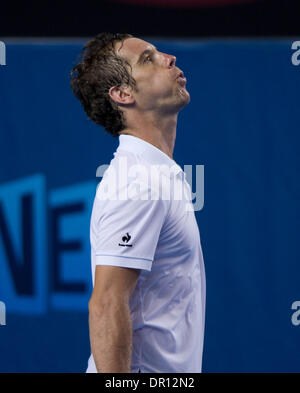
<point x="121" y="261"/>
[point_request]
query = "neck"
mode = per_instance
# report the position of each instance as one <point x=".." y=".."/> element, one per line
<point x="161" y="132"/>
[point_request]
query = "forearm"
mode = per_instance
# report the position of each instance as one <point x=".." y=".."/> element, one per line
<point x="111" y="338"/>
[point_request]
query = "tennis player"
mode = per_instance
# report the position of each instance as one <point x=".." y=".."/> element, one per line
<point x="147" y="309"/>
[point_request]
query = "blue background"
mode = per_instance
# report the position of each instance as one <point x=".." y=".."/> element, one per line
<point x="242" y="124"/>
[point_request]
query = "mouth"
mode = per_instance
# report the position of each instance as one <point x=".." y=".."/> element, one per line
<point x="181" y="78"/>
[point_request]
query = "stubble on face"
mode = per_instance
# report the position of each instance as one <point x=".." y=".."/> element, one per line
<point x="156" y="83"/>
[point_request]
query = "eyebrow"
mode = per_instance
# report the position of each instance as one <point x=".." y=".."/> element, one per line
<point x="144" y="53"/>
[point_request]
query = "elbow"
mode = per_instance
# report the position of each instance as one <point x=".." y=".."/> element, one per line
<point x="96" y="307"/>
<point x="106" y="305"/>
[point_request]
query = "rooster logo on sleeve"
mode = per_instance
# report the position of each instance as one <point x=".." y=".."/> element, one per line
<point x="125" y="240"/>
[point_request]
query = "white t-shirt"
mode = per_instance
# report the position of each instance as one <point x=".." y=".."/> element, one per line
<point x="143" y="218"/>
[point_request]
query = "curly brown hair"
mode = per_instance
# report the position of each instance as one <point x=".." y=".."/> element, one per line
<point x="99" y="69"/>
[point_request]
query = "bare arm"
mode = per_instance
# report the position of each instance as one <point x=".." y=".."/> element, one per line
<point x="109" y="318"/>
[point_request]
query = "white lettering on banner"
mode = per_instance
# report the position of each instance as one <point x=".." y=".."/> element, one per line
<point x="31" y="280"/>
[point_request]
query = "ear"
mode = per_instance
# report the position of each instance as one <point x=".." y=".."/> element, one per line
<point x="122" y="94"/>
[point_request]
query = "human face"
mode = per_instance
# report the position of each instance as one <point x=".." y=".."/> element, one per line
<point x="160" y="85"/>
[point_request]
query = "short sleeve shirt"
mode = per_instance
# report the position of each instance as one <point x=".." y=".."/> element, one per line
<point x="143" y="218"/>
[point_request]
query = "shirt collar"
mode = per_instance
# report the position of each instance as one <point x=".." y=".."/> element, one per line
<point x="148" y="151"/>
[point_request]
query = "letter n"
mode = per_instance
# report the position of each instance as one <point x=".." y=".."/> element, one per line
<point x="22" y="245"/>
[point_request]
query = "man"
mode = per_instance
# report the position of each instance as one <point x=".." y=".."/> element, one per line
<point x="147" y="309"/>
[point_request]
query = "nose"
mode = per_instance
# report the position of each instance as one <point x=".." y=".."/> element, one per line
<point x="172" y="61"/>
<point x="168" y="60"/>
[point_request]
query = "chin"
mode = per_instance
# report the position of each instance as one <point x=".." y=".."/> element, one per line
<point x="184" y="97"/>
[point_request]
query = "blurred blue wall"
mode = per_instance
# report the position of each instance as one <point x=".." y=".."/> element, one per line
<point x="242" y="124"/>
